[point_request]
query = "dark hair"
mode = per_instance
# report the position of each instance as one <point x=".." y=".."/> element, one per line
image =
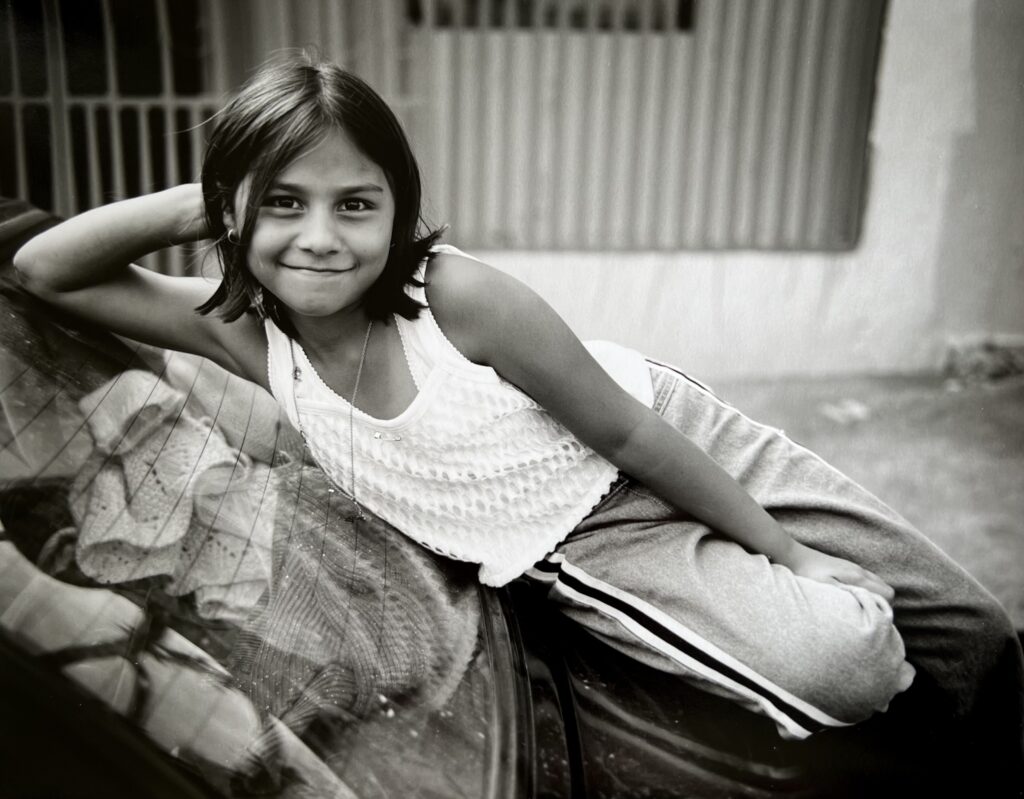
<point x="284" y="110"/>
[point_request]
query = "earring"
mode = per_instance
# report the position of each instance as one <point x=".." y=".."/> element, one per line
<point x="233" y="236"/>
<point x="257" y="301"/>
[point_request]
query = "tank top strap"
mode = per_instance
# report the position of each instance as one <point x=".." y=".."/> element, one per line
<point x="426" y="345"/>
<point x="419" y="293"/>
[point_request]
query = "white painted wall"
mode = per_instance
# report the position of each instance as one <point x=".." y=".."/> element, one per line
<point x="942" y="252"/>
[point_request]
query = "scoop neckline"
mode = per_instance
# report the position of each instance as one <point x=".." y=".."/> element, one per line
<point x="396" y="421"/>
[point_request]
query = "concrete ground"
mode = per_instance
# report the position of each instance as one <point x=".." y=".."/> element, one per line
<point x="948" y="456"/>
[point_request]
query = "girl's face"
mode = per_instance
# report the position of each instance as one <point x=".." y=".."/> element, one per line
<point x="323" y="234"/>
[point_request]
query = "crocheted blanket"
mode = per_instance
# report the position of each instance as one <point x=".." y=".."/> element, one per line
<point x="163" y="494"/>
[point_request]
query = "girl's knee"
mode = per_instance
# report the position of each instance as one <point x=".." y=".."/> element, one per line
<point x="990" y="628"/>
<point x="856" y="668"/>
<point x="864" y="685"/>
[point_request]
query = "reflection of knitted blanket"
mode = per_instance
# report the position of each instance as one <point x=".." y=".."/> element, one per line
<point x="358" y="615"/>
<point x="133" y="501"/>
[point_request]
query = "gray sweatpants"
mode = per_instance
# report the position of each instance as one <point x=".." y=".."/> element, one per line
<point x="674" y="594"/>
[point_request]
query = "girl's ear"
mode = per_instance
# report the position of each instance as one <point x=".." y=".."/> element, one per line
<point x="229" y="219"/>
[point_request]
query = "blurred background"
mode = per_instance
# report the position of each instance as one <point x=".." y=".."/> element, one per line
<point x="818" y="205"/>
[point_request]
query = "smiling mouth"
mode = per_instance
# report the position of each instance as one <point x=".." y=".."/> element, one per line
<point x="318" y="270"/>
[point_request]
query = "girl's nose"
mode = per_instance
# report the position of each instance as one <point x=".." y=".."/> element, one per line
<point x="319" y="234"/>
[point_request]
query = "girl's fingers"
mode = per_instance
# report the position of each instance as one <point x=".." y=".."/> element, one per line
<point x="873" y="582"/>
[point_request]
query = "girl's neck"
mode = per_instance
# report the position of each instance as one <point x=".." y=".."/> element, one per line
<point x="329" y="335"/>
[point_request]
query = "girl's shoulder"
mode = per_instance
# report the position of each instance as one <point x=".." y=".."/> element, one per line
<point x="458" y="279"/>
<point x="470" y="299"/>
<point x="450" y="271"/>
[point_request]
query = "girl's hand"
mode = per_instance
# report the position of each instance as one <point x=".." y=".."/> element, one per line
<point x="815" y="565"/>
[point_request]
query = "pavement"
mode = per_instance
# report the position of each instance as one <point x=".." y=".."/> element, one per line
<point x="946" y="454"/>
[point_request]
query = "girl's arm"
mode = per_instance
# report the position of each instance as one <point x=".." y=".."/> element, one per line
<point x="496" y="320"/>
<point x="84" y="266"/>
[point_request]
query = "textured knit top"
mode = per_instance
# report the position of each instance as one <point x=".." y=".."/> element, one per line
<point x="473" y="469"/>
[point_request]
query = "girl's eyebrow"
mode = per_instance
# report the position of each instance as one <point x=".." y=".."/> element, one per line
<point x="359" y="188"/>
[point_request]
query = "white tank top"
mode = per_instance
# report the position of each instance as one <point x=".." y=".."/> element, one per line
<point x="473" y="469"/>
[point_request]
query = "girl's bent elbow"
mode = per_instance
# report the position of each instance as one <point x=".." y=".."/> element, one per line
<point x="30" y="270"/>
<point x="24" y="269"/>
<point x="27" y="275"/>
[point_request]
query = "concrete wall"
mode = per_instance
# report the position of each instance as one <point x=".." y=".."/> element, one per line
<point x="942" y="253"/>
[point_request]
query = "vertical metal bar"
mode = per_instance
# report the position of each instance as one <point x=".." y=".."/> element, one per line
<point x="388" y="19"/>
<point x="702" y="117"/>
<point x="466" y="157"/>
<point x="544" y="108"/>
<point x="93" y="155"/>
<point x="673" y="140"/>
<point x="172" y="175"/>
<point x="195" y="114"/>
<point x="492" y="98"/>
<point x="618" y="197"/>
<point x="457" y="113"/>
<point x="217" y="52"/>
<point x="335" y="27"/>
<point x="563" y="185"/>
<point x="839" y="190"/>
<point x="284" y="23"/>
<point x="517" y="164"/>
<point x="166" y="105"/>
<point x="483" y="175"/>
<point x="61" y="158"/>
<point x="821" y="201"/>
<point x="167" y="93"/>
<point x="436" y="54"/>
<point x="163" y="32"/>
<point x="726" y="124"/>
<point x="755" y="110"/>
<point x="506" y="227"/>
<point x="20" y="157"/>
<point x="361" y="57"/>
<point x="590" y="146"/>
<point x="145" y="156"/>
<point x="650" y="90"/>
<point x="306" y="27"/>
<point x="802" y="138"/>
<point x="852" y="179"/>
<point x="785" y="48"/>
<point x="266" y="25"/>
<point x="116" y="149"/>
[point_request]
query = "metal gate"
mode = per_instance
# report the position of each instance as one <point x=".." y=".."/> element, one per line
<point x="539" y="124"/>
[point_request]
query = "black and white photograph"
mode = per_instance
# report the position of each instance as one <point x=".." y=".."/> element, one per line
<point x="484" y="399"/>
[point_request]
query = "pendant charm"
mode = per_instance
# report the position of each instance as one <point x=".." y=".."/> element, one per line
<point x="386" y="436"/>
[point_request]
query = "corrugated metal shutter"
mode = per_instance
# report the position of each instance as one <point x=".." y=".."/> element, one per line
<point x="602" y="125"/>
<point x="103" y="100"/>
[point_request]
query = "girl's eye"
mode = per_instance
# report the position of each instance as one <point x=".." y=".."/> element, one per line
<point x="283" y="202"/>
<point x="354" y="205"/>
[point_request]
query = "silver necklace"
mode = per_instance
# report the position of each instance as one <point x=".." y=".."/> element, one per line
<point x="297" y="376"/>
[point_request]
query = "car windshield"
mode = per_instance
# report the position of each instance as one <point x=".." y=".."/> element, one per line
<point x="168" y="549"/>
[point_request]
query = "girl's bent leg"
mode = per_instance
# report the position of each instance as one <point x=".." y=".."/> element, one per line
<point x="956" y="634"/>
<point x="675" y="596"/>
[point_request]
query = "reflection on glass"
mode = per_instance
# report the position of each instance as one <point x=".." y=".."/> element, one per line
<point x="167" y="547"/>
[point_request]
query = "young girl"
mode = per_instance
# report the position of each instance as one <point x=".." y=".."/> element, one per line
<point x="451" y="401"/>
